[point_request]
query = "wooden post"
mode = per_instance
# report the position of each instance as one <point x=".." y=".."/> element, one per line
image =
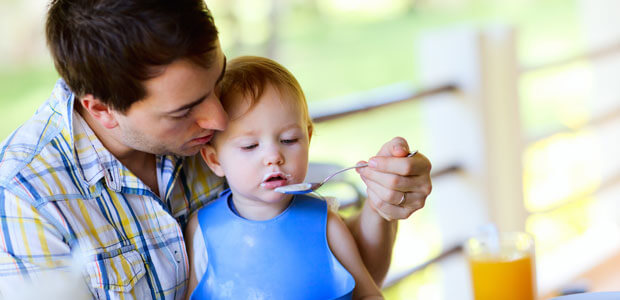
<point x="499" y="104"/>
<point x="483" y="64"/>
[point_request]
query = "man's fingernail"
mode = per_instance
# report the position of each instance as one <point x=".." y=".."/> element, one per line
<point x="372" y="163"/>
<point x="402" y="148"/>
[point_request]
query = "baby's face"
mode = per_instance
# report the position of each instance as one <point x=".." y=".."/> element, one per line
<point x="263" y="148"/>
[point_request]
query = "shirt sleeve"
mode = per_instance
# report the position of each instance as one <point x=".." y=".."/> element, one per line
<point x="201" y="257"/>
<point x="29" y="243"/>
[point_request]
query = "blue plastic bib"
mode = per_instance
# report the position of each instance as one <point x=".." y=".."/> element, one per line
<point x="287" y="257"/>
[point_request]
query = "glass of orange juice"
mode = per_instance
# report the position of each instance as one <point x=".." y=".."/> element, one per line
<point x="502" y="266"/>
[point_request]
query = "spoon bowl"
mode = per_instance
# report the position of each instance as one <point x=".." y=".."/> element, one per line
<point x="308" y="187"/>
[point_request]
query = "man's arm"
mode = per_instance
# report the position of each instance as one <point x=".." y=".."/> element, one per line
<point x="396" y="186"/>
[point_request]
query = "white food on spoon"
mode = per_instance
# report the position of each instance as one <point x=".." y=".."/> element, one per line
<point x="304" y="186"/>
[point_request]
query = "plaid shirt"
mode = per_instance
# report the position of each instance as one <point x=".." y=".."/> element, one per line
<point x="60" y="189"/>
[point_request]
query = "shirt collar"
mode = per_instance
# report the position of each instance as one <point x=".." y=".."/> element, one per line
<point x="92" y="157"/>
<point x="64" y="100"/>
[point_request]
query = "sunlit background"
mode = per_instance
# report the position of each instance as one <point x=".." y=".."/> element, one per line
<point x="566" y="124"/>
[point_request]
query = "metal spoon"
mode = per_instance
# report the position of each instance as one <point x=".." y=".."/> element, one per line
<point x="308" y="187"/>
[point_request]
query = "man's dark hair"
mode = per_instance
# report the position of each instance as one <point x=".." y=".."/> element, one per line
<point x="107" y="48"/>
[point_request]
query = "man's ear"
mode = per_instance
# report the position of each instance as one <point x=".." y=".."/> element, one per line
<point x="210" y="157"/>
<point x="99" y="111"/>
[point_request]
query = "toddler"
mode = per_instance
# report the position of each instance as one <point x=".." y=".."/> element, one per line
<point x="253" y="242"/>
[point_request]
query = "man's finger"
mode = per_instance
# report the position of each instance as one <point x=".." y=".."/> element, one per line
<point x="386" y="210"/>
<point x="377" y="205"/>
<point x="378" y="211"/>
<point x="405" y="166"/>
<point x="387" y="195"/>
<point x="392" y="181"/>
<point x="397" y="146"/>
<point x="392" y="185"/>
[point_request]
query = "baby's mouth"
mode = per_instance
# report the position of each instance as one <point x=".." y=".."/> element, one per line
<point x="274" y="180"/>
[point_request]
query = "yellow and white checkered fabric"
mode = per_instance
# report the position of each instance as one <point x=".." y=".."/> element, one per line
<point x="61" y="190"/>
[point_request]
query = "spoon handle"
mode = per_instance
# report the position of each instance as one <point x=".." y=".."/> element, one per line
<point x="354" y="167"/>
<point x="345" y="169"/>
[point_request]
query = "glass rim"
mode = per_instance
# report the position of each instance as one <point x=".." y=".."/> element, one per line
<point x="504" y="238"/>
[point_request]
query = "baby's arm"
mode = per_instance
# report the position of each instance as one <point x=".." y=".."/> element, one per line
<point x="343" y="246"/>
<point x="190" y="231"/>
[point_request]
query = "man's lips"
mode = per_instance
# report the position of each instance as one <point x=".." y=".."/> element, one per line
<point x="202" y="140"/>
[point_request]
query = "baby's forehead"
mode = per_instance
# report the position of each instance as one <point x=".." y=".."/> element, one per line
<point x="264" y="118"/>
<point x="240" y="102"/>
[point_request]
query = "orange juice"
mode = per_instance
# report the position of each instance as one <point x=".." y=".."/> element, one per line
<point x="505" y="278"/>
<point x="506" y="273"/>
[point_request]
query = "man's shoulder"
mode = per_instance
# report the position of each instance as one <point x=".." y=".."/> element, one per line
<point x="198" y="175"/>
<point x="19" y="148"/>
<point x="36" y="156"/>
<point x="203" y="186"/>
<point x="40" y="173"/>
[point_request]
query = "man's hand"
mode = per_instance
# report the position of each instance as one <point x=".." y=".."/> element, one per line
<point x="397" y="185"/>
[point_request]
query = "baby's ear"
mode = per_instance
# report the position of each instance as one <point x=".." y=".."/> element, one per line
<point x="210" y="157"/>
<point x="310" y="129"/>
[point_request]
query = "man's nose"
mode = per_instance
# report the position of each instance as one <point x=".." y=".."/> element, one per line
<point x="211" y="115"/>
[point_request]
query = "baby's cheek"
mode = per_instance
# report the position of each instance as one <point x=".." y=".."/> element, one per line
<point x="301" y="173"/>
<point x="238" y="173"/>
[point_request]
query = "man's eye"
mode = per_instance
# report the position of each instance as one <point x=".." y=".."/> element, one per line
<point x="250" y="147"/>
<point x="185" y="115"/>
<point x="289" y="141"/>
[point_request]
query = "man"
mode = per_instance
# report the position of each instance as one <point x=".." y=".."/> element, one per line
<point x="108" y="163"/>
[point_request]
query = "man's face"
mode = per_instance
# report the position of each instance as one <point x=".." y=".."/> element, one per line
<point x="180" y="112"/>
<point x="263" y="148"/>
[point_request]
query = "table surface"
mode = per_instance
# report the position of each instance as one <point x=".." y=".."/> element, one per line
<point x="602" y="278"/>
<point x="448" y="278"/>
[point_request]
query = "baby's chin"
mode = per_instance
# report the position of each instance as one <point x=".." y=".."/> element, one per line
<point x="273" y="197"/>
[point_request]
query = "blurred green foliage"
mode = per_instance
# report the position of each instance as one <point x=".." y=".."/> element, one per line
<point x="333" y="52"/>
<point x="21" y="92"/>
